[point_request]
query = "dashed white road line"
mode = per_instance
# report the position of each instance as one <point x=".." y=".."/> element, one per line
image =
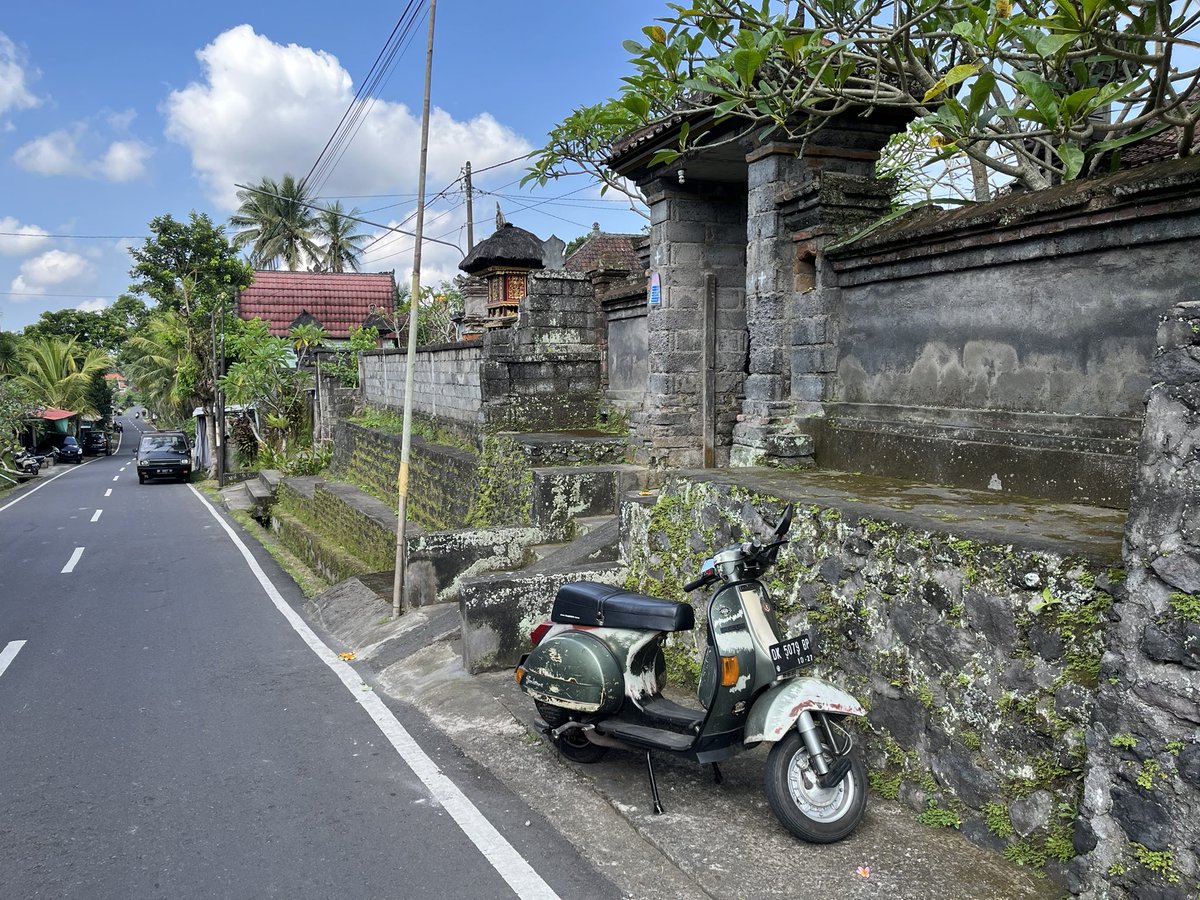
<point x="504" y="858"/>
<point x="72" y="562"/>
<point x="96" y="514"/>
<point x="115" y="477"/>
<point x="9" y="653"/>
<point x="108" y="493"/>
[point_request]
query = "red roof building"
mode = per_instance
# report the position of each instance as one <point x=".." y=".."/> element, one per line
<point x="338" y="302"/>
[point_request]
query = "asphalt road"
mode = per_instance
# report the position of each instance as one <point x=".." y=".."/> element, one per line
<point x="165" y="731"/>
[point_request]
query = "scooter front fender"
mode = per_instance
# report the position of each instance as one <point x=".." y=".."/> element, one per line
<point x="777" y="708"/>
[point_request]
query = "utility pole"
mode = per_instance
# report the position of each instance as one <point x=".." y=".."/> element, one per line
<point x="399" y="599"/>
<point x="470" y="211"/>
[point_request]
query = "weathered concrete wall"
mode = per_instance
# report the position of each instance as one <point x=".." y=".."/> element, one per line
<point x="697" y="233"/>
<point x="1008" y="345"/>
<point x="1141" y="807"/>
<point x="332" y="400"/>
<point x="976" y="652"/>
<point x="443" y="481"/>
<point x="446" y="381"/>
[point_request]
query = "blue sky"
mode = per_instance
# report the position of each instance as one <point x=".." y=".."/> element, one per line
<point x="111" y="114"/>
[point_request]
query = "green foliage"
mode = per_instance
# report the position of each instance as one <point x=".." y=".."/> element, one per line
<point x="936" y="817"/>
<point x="341" y="242"/>
<point x="344" y="364"/>
<point x="997" y="819"/>
<point x="885" y="784"/>
<point x="1123" y="741"/>
<point x="105" y="330"/>
<point x="275" y="220"/>
<point x="1160" y="862"/>
<point x="1174" y="747"/>
<point x="1149" y="771"/>
<point x="263" y="375"/>
<point x="505" y="493"/>
<point x="972" y="740"/>
<point x="1039" y="94"/>
<point x="54" y="372"/>
<point x="245" y="441"/>
<point x="683" y="669"/>
<point x="1185" y="606"/>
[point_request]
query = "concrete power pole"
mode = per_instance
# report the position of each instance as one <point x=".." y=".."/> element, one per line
<point x="470" y="211"/>
<point x="399" y="600"/>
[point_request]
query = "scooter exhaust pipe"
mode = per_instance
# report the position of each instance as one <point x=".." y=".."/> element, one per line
<point x="589" y="731"/>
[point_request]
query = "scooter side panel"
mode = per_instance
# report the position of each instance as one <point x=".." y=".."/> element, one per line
<point x="576" y="671"/>
<point x="775" y="711"/>
<point x="729" y="704"/>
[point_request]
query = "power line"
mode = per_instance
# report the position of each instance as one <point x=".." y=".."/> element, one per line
<point x="87" y="237"/>
<point x="364" y="100"/>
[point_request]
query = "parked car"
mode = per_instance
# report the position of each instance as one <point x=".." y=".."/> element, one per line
<point x="63" y="446"/>
<point x="96" y="442"/>
<point x="164" y="454"/>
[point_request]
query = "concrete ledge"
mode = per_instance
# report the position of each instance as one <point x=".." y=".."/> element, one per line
<point x="564" y="493"/>
<point x="499" y="612"/>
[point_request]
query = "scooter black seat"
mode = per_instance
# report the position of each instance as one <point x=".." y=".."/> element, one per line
<point x="608" y="606"/>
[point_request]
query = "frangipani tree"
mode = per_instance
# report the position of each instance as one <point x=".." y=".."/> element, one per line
<point x="1037" y="91"/>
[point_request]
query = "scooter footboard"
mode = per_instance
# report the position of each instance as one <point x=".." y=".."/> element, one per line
<point x="776" y="710"/>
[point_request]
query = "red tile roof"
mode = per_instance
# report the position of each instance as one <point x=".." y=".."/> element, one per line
<point x="339" y="302"/>
<point x="53" y="414"/>
<point x="605" y="250"/>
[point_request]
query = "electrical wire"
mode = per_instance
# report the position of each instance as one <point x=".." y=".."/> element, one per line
<point x="364" y="99"/>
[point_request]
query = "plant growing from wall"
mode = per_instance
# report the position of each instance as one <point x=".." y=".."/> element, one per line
<point x="505" y="491"/>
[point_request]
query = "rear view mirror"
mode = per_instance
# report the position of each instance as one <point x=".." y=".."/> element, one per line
<point x="785" y="523"/>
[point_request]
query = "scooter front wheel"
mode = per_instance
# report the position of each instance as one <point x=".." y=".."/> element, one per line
<point x="813" y="813"/>
<point x="572" y="743"/>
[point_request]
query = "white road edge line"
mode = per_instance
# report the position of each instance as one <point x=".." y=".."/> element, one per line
<point x="96" y="514"/>
<point x="72" y="562"/>
<point x="40" y="486"/>
<point x="511" y="866"/>
<point x="9" y="653"/>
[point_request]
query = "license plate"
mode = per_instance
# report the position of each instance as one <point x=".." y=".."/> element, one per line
<point x="165" y="471"/>
<point x="788" y="656"/>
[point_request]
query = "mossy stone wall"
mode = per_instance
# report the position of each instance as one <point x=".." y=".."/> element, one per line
<point x="978" y="662"/>
<point x="443" y="481"/>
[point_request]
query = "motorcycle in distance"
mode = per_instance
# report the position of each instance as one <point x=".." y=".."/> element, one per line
<point x="28" y="463"/>
<point x="596" y="669"/>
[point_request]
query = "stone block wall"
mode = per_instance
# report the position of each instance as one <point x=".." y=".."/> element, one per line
<point x="697" y="246"/>
<point x="446" y="382"/>
<point x="977" y="658"/>
<point x="1006" y="345"/>
<point x="1141" y="805"/>
<point x="443" y="482"/>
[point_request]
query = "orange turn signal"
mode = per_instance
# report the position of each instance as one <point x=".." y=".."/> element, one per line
<point x="519" y="674"/>
<point x="729" y="670"/>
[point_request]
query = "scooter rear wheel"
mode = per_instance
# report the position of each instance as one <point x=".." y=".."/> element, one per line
<point x="813" y="813"/>
<point x="573" y="744"/>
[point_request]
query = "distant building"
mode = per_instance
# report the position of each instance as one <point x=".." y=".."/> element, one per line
<point x="338" y="302"/>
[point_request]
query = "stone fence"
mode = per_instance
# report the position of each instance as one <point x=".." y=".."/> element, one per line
<point x="1141" y="805"/>
<point x="542" y="374"/>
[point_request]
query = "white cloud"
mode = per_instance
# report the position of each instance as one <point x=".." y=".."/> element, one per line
<point x="97" y="305"/>
<point x="59" y="153"/>
<point x="125" y="160"/>
<point x="21" y="289"/>
<point x="20" y="240"/>
<point x="14" y="93"/>
<point x="264" y="109"/>
<point x="50" y="269"/>
<point x="56" y="153"/>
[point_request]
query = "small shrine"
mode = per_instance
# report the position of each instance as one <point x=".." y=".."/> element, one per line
<point x="504" y="262"/>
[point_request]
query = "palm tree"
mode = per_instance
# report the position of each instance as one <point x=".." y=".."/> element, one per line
<point x="59" y="373"/>
<point x="10" y="345"/>
<point x="342" y="241"/>
<point x="159" y="364"/>
<point x="276" y="221"/>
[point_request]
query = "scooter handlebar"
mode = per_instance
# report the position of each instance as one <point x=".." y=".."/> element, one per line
<point x="699" y="583"/>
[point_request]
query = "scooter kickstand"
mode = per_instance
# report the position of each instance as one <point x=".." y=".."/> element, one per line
<point x="653" y="785"/>
<point x="717" y="776"/>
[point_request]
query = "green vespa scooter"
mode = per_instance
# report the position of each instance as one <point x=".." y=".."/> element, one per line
<point x="596" y="669"/>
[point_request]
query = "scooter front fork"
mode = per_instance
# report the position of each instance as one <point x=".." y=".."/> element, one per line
<point x="812" y="742"/>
